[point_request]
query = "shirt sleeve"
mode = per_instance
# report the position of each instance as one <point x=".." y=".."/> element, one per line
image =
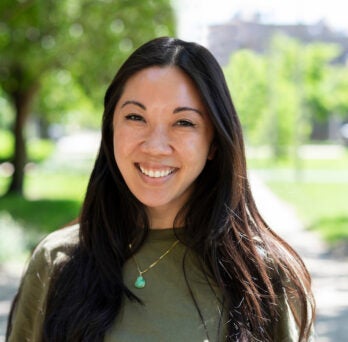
<point x="28" y="316"/>
<point x="286" y="328"/>
<point x="27" y="320"/>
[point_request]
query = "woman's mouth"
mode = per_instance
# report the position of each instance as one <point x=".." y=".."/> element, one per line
<point x="155" y="173"/>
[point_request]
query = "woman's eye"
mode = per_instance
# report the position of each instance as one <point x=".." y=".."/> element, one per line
<point x="185" y="123"/>
<point x="134" y="117"/>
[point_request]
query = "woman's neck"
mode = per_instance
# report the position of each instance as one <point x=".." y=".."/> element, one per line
<point x="161" y="219"/>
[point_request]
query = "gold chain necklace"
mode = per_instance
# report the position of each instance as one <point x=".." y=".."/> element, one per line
<point x="140" y="281"/>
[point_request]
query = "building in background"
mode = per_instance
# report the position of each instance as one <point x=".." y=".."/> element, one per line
<point x="224" y="39"/>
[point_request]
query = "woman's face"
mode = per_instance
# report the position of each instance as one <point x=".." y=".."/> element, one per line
<point x="162" y="140"/>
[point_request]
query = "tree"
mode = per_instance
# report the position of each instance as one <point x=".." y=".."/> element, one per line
<point x="87" y="38"/>
<point x="279" y="93"/>
<point x="246" y="76"/>
<point x="336" y="90"/>
<point x="64" y="102"/>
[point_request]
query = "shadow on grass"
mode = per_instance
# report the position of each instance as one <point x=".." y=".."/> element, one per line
<point x="40" y="216"/>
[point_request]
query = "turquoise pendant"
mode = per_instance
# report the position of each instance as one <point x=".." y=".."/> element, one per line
<point x="140" y="282"/>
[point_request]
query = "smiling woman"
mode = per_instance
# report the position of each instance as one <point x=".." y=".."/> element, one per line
<point x="169" y="245"/>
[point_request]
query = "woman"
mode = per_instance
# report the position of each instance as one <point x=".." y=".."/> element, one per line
<point x="170" y="244"/>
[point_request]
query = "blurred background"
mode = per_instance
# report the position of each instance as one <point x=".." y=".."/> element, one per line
<point x="286" y="64"/>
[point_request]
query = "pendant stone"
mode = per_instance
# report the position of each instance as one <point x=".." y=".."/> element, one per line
<point x="140" y="282"/>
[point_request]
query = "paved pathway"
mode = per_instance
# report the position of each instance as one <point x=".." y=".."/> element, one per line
<point x="330" y="276"/>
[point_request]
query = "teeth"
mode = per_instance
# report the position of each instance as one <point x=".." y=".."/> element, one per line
<point x="156" y="173"/>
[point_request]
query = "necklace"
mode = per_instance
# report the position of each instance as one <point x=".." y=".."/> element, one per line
<point x="140" y="281"/>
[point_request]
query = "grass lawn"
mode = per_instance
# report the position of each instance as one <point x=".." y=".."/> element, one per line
<point x="318" y="190"/>
<point x="339" y="163"/>
<point x="321" y="206"/>
<point x="52" y="199"/>
<point x="53" y="196"/>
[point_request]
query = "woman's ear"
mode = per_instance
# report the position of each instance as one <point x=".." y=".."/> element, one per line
<point x="212" y="150"/>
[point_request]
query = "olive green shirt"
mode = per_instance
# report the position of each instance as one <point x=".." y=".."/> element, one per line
<point x="169" y="312"/>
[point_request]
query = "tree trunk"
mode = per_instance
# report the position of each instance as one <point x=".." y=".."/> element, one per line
<point x="22" y="100"/>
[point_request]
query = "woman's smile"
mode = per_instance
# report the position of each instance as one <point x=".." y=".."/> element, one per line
<point x="159" y="172"/>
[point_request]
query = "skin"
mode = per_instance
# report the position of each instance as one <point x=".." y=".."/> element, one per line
<point x="162" y="140"/>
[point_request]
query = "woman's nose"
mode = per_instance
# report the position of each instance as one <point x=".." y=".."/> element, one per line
<point x="157" y="142"/>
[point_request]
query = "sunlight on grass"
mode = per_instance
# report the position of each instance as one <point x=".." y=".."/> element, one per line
<point x="52" y="200"/>
<point x="321" y="206"/>
<point x="327" y="161"/>
<point x="316" y="185"/>
<point x="56" y="185"/>
<point x="333" y="228"/>
<point x="41" y="184"/>
<point x="42" y="215"/>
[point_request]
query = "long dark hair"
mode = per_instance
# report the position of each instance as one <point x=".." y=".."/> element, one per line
<point x="252" y="266"/>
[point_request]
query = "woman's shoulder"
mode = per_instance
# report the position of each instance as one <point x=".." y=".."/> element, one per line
<point x="64" y="237"/>
<point x="28" y="315"/>
<point x="56" y="246"/>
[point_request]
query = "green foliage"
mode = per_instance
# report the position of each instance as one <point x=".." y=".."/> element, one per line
<point x="279" y="93"/>
<point x="336" y="90"/>
<point x="62" y="100"/>
<point x="246" y="76"/>
<point x="72" y="49"/>
<point x="316" y="79"/>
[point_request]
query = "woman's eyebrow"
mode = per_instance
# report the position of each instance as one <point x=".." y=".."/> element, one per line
<point x="183" y="109"/>
<point x="136" y="103"/>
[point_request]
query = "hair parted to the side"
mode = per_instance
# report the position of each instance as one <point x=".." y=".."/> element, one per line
<point x="252" y="266"/>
